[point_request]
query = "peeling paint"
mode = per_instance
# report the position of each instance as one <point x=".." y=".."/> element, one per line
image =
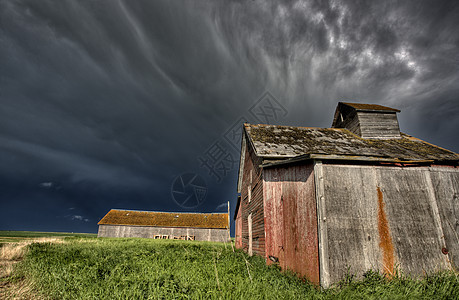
<point x="385" y="239"/>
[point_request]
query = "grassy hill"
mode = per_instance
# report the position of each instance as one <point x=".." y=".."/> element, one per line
<point x="90" y="268"/>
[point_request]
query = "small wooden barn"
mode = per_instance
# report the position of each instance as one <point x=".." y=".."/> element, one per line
<point x="165" y="225"/>
<point x="358" y="196"/>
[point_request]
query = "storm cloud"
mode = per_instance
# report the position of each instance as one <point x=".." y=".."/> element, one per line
<point x="104" y="103"/>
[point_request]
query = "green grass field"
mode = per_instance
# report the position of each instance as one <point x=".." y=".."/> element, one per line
<point x="7" y="236"/>
<point x="89" y="268"/>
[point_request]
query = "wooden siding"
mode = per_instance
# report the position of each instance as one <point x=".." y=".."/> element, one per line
<point x="200" y="234"/>
<point x="387" y="217"/>
<point x="238" y="229"/>
<point x="367" y="120"/>
<point x="445" y="182"/>
<point x="252" y="180"/>
<point x="350" y="221"/>
<point x="291" y="219"/>
<point x="376" y="125"/>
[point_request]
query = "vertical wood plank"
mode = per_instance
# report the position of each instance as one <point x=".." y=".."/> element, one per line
<point x="322" y="225"/>
<point x="436" y="213"/>
<point x="445" y="182"/>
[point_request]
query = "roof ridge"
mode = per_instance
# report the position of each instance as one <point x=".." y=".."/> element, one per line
<point x="370" y="107"/>
<point x="305" y="127"/>
<point x="166" y="212"/>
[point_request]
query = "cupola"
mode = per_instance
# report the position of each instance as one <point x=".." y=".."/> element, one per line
<point x="369" y="121"/>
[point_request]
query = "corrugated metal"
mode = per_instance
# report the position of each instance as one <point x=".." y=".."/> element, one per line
<point x="291" y="220"/>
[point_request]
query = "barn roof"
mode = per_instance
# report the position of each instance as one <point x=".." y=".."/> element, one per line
<point x="286" y="142"/>
<point x="165" y="219"/>
<point x="370" y="107"/>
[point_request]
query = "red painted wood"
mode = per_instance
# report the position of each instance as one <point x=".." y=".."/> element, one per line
<point x="291" y="219"/>
<point x="274" y="226"/>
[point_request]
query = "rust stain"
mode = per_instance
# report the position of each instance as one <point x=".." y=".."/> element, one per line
<point x="385" y="240"/>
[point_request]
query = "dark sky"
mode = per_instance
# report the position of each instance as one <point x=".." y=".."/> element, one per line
<point x="104" y="104"/>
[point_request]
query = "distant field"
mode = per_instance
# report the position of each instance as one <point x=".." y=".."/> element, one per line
<point x="109" y="268"/>
<point x="10" y="236"/>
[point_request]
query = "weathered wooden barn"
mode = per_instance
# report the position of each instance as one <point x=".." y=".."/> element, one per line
<point x="165" y="225"/>
<point x="358" y="196"/>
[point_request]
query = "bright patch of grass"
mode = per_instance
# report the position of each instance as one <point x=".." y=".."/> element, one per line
<point x="164" y="269"/>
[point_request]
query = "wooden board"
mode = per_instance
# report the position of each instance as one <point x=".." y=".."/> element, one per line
<point x="445" y="182"/>
<point x="351" y="209"/>
<point x="378" y="125"/>
<point x="291" y="219"/>
<point x="389" y="217"/>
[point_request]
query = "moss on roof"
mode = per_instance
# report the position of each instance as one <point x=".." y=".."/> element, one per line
<point x="164" y="219"/>
<point x="288" y="141"/>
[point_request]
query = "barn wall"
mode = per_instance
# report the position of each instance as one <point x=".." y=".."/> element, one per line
<point x="201" y="234"/>
<point x="252" y="189"/>
<point x="291" y="219"/>
<point x="386" y="217"/>
<point x="445" y="182"/>
<point x="238" y="229"/>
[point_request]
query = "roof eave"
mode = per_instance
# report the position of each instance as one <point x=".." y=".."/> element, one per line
<point x="354" y="158"/>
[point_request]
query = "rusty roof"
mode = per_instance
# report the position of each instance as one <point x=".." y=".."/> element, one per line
<point x="282" y="142"/>
<point x="370" y="107"/>
<point x="165" y="219"/>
